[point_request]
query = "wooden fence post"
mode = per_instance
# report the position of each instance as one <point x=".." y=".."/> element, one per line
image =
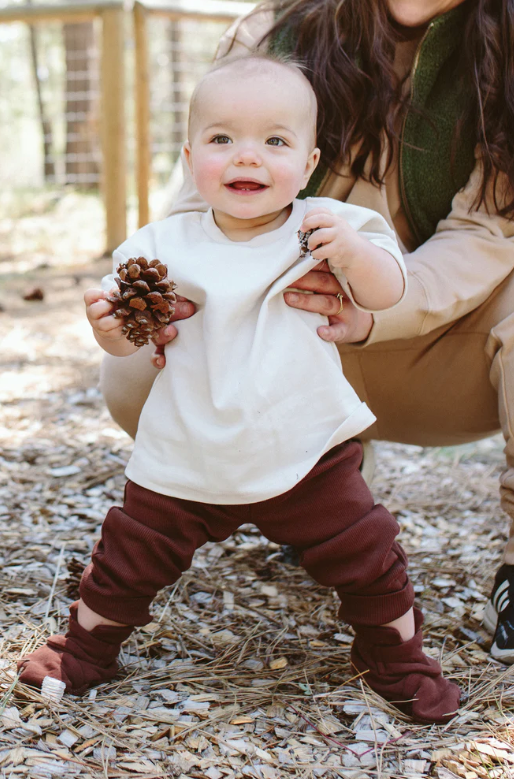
<point x="113" y="126"/>
<point x="142" y="108"/>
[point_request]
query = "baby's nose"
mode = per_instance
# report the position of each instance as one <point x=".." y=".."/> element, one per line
<point x="247" y="155"/>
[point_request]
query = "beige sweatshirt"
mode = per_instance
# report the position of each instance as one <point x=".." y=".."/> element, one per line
<point x="251" y="397"/>
<point x="452" y="273"/>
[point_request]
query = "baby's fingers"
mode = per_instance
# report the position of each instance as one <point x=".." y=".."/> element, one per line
<point x="94" y="295"/>
<point x="318" y="217"/>
<point x="320" y="238"/>
<point x="98" y="310"/>
<point x="107" y="325"/>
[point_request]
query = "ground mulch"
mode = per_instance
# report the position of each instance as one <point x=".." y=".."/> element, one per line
<point x="244" y="671"/>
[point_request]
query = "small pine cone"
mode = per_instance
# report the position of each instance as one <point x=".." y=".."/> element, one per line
<point x="144" y="299"/>
<point x="72" y="581"/>
<point x="303" y="238"/>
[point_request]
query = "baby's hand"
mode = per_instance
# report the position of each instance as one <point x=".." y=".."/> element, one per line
<point x="106" y="328"/>
<point x="99" y="313"/>
<point x="333" y="239"/>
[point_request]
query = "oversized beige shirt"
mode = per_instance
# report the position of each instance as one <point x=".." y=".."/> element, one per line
<point x="250" y="397"/>
<point x="453" y="272"/>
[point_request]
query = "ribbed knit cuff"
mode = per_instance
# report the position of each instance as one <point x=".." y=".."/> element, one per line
<point x="376" y="609"/>
<point x="127" y="610"/>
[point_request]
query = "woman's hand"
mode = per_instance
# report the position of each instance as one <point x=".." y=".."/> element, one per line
<point x="350" y="326"/>
<point x="183" y="310"/>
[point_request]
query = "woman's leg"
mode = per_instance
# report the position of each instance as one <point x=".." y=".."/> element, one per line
<point x="451" y="386"/>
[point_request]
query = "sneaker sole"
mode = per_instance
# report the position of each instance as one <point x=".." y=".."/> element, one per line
<point x="490" y="622"/>
<point x="503" y="655"/>
<point x="490" y="619"/>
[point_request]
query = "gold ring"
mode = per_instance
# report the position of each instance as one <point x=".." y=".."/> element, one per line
<point x="339" y="296"/>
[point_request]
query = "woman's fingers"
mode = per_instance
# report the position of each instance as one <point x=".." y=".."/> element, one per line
<point x="183" y="309"/>
<point x="164" y="335"/>
<point x="319" y="282"/>
<point x="328" y="305"/>
<point x="352" y="326"/>
<point x="158" y="359"/>
<point x="335" y="332"/>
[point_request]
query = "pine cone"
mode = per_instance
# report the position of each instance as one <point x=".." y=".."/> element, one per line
<point x="144" y="298"/>
<point x="304" y="241"/>
<point x="72" y="581"/>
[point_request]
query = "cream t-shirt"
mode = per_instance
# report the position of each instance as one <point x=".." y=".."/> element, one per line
<point x="250" y="397"/>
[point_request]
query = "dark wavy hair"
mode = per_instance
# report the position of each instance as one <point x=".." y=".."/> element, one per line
<point x="347" y="49"/>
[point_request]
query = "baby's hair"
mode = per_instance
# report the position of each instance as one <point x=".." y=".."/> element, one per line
<point x="259" y="56"/>
<point x="246" y="60"/>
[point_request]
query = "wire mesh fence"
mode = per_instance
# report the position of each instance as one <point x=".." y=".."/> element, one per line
<point x="49" y="105"/>
<point x="68" y="112"/>
<point x="179" y="54"/>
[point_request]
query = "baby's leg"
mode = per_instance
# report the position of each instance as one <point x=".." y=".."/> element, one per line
<point x="348" y="542"/>
<point x="144" y="547"/>
<point x="80" y="658"/>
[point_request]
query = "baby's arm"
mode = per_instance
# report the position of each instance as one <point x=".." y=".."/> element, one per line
<point x="373" y="274"/>
<point x="106" y="329"/>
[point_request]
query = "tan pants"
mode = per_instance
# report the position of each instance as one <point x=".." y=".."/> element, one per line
<point x="449" y="387"/>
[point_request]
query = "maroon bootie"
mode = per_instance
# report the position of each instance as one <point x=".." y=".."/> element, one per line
<point x="401" y="673"/>
<point x="81" y="658"/>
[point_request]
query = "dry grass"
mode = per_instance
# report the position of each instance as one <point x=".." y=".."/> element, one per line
<point x="244" y="671"/>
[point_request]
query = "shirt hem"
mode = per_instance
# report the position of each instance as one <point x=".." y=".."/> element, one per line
<point x="360" y="420"/>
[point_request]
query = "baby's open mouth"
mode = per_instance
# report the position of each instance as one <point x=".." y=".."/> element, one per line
<point x="246" y="186"/>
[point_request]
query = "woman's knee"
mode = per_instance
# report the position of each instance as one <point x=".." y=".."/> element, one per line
<point x="125" y="383"/>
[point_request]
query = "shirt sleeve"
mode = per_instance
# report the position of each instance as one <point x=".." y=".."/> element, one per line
<point x="372" y="226"/>
<point x="456" y="270"/>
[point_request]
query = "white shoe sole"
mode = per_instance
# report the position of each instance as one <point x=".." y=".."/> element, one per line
<point x="490" y="622"/>
<point x="503" y="655"/>
<point x="490" y="619"/>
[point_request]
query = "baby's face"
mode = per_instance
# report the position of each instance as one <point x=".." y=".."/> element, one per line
<point x="251" y="142"/>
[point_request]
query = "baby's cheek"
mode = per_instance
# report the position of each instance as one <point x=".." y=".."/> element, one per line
<point x="288" y="177"/>
<point x="208" y="174"/>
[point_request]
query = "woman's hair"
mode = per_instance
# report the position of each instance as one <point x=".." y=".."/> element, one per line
<point x="347" y="48"/>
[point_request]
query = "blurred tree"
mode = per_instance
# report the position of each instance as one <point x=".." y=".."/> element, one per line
<point x="46" y="125"/>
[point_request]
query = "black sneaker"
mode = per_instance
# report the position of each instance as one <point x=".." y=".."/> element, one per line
<point x="499" y="615"/>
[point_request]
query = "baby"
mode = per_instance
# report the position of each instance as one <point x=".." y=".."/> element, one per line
<point x="252" y="419"/>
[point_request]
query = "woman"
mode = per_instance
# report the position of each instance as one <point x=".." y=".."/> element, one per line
<point x="416" y="113"/>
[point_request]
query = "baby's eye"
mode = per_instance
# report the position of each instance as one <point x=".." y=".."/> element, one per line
<point x="276" y="141"/>
<point x="221" y="139"/>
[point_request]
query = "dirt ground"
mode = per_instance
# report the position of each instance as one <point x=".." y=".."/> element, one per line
<point x="244" y="671"/>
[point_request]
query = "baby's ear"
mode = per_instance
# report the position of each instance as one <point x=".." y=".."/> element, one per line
<point x="311" y="165"/>
<point x="188" y="156"/>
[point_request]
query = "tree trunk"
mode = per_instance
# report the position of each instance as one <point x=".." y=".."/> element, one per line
<point x="46" y="126"/>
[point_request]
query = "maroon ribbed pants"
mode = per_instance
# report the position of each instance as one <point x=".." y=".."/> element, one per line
<point x="345" y="541"/>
